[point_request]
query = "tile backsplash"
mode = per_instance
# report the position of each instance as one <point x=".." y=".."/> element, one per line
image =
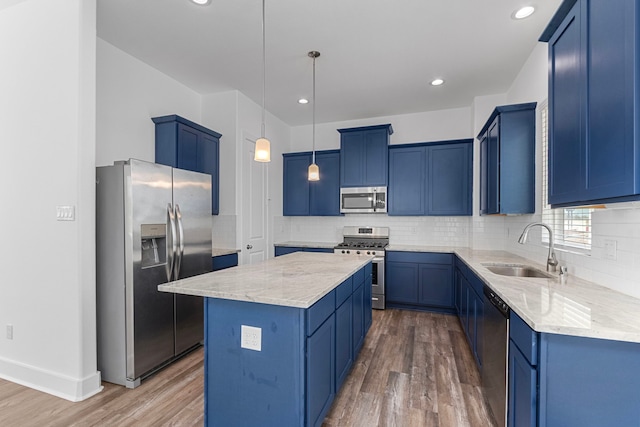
<point x="621" y="226"/>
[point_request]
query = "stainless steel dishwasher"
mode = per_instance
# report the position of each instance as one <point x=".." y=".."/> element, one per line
<point x="495" y="355"/>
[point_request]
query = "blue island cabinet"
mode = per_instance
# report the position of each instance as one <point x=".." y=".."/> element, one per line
<point x="594" y="113"/>
<point x="304" y="358"/>
<point x="570" y="381"/>
<point x="183" y="144"/>
<point x="364" y="156"/>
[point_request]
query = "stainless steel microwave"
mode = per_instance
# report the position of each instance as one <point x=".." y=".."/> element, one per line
<point x="363" y="200"/>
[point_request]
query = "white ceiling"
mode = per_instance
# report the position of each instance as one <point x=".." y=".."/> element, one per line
<point x="377" y="56"/>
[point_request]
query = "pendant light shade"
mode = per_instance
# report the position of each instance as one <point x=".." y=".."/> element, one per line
<point x="263" y="146"/>
<point x="263" y="150"/>
<point x="314" y="170"/>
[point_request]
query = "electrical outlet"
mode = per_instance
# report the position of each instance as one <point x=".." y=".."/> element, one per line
<point x="251" y="337"/>
<point x="9" y="332"/>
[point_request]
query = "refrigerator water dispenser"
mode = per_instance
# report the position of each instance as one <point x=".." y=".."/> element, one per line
<point x="154" y="244"/>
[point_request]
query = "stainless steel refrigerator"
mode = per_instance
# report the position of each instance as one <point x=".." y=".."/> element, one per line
<point x="153" y="226"/>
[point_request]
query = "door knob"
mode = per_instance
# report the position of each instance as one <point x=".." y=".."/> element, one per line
<point x="249" y="247"/>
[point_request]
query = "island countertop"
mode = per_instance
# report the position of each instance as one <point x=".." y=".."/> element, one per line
<point x="295" y="280"/>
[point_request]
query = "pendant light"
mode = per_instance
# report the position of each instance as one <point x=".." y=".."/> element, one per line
<point x="263" y="146"/>
<point x="314" y="170"/>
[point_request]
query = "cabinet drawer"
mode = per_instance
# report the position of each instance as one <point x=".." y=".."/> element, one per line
<point x="343" y="291"/>
<point x="525" y="338"/>
<point x="320" y="311"/>
<point x="419" y="257"/>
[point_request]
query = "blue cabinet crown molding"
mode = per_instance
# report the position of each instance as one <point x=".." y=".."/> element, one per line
<point x="557" y="19"/>
<point x="179" y="119"/>
<point x="388" y="127"/>
<point x="505" y="109"/>
<point x="432" y="143"/>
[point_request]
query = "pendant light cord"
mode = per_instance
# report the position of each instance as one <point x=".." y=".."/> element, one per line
<point x="264" y="69"/>
<point x="314" y="112"/>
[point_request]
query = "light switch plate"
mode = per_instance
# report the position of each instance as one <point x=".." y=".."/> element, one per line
<point x="65" y="213"/>
<point x="251" y="337"/>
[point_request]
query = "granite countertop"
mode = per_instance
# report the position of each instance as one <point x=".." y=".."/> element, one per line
<point x="574" y="307"/>
<point x="294" y="244"/>
<point x="294" y="280"/>
<point x="223" y="251"/>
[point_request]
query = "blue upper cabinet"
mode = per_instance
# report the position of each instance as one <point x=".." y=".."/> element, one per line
<point x="364" y="156"/>
<point x="183" y="144"/>
<point x="507" y="160"/>
<point x="295" y="191"/>
<point x="302" y="197"/>
<point x="431" y="179"/>
<point x="594" y="106"/>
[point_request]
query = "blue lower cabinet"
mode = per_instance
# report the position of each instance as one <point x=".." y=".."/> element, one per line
<point x="435" y="285"/>
<point x="419" y="280"/>
<point x="523" y="384"/>
<point x="320" y="379"/>
<point x="304" y="358"/>
<point x="224" y="261"/>
<point x="570" y="381"/>
<point x="469" y="303"/>
<point x="283" y="250"/>
<point x="402" y="278"/>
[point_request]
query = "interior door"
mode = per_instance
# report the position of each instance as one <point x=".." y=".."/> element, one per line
<point x="254" y="204"/>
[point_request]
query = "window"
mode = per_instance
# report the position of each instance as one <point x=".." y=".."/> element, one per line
<point x="571" y="226"/>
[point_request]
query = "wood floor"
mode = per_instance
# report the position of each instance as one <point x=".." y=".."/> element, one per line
<point x="415" y="369"/>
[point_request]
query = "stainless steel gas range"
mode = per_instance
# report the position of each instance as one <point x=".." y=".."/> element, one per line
<point x="358" y="241"/>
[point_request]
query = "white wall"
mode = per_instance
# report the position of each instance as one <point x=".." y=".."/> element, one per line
<point x="47" y="109"/>
<point x="129" y="94"/>
<point x="408" y="128"/>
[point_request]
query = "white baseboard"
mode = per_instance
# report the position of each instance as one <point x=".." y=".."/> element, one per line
<point x="64" y="386"/>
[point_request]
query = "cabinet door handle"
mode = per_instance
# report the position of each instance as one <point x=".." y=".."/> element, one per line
<point x="249" y="247"/>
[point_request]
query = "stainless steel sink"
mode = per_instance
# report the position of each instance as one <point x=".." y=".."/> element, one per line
<point x="517" y="270"/>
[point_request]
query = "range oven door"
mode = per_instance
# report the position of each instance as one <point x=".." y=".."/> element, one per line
<point x="377" y="284"/>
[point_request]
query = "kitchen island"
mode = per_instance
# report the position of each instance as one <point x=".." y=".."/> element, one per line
<point x="280" y="336"/>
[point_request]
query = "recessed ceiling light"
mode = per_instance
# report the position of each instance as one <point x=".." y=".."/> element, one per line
<point x="201" y="2"/>
<point x="303" y="101"/>
<point x="437" y="82"/>
<point x="523" y="12"/>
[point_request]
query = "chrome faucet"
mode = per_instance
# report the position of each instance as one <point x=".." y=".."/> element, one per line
<point x="551" y="258"/>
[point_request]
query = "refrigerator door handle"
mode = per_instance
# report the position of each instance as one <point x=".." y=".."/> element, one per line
<point x="180" y="252"/>
<point x="171" y="242"/>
